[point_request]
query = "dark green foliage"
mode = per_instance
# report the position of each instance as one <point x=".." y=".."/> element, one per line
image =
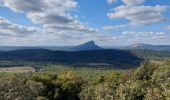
<point x="117" y="57"/>
<point x="151" y="54"/>
<point x="47" y="81"/>
<point x="19" y="88"/>
<point x="148" y="82"/>
<point x="145" y="71"/>
<point x="65" y="86"/>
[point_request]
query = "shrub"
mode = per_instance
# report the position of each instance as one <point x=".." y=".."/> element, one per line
<point x="145" y="71"/>
<point x="12" y="88"/>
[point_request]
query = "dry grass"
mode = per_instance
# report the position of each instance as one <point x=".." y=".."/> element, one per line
<point x="156" y="62"/>
<point x="17" y="69"/>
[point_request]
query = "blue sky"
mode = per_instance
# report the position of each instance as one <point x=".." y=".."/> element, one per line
<point x="72" y="22"/>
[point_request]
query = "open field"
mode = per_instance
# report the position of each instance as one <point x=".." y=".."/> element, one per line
<point x="17" y="69"/>
<point x="156" y="62"/>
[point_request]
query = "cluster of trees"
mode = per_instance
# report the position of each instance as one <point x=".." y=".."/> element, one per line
<point x="19" y="88"/>
<point x="116" y="57"/>
<point x="148" y="82"/>
<point x="151" y="54"/>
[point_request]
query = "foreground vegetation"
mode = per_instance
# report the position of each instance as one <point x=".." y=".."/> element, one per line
<point x="148" y="82"/>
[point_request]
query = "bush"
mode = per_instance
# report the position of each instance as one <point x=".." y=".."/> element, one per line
<point x="145" y="71"/>
<point x="12" y="88"/>
<point x="148" y="82"/>
<point x="131" y="90"/>
<point x="64" y="86"/>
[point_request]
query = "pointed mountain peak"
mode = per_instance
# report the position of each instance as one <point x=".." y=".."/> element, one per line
<point x="89" y="43"/>
<point x="88" y="46"/>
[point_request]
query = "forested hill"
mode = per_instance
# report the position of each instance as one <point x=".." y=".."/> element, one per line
<point x="108" y="56"/>
<point x="147" y="46"/>
<point x="151" y="54"/>
<point x="116" y="57"/>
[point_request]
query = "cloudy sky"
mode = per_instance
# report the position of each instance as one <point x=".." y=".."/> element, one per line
<point x="72" y="22"/>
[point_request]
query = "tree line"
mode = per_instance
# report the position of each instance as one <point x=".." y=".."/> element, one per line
<point x="148" y="82"/>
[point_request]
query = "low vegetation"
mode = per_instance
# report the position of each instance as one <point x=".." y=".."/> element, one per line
<point x="17" y="69"/>
<point x="150" y="81"/>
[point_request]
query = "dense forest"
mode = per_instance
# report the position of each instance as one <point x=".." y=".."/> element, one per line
<point x="118" y="58"/>
<point x="150" y="81"/>
<point x="151" y="54"/>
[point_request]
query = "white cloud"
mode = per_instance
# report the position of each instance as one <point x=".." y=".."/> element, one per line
<point x="114" y="27"/>
<point x="44" y="11"/>
<point x="139" y="15"/>
<point x="159" y="37"/>
<point x="133" y="2"/>
<point x="146" y="35"/>
<point x="9" y="29"/>
<point x="168" y="27"/>
<point x="56" y="21"/>
<point x="12" y="34"/>
<point x="39" y="5"/>
<point x="59" y="26"/>
<point x="128" y="2"/>
<point x="149" y="37"/>
<point x="142" y="33"/>
<point x="53" y="15"/>
<point x="111" y="1"/>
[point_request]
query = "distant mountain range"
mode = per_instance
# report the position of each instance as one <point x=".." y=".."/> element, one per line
<point x="116" y="58"/>
<point x="88" y="46"/>
<point x="128" y="56"/>
<point x="147" y="46"/>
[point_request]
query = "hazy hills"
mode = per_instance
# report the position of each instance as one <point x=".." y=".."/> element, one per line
<point x="88" y="46"/>
<point x="89" y="52"/>
<point x="147" y="46"/>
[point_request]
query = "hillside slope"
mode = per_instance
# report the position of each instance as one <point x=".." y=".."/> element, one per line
<point x="116" y="57"/>
<point x="148" y="47"/>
